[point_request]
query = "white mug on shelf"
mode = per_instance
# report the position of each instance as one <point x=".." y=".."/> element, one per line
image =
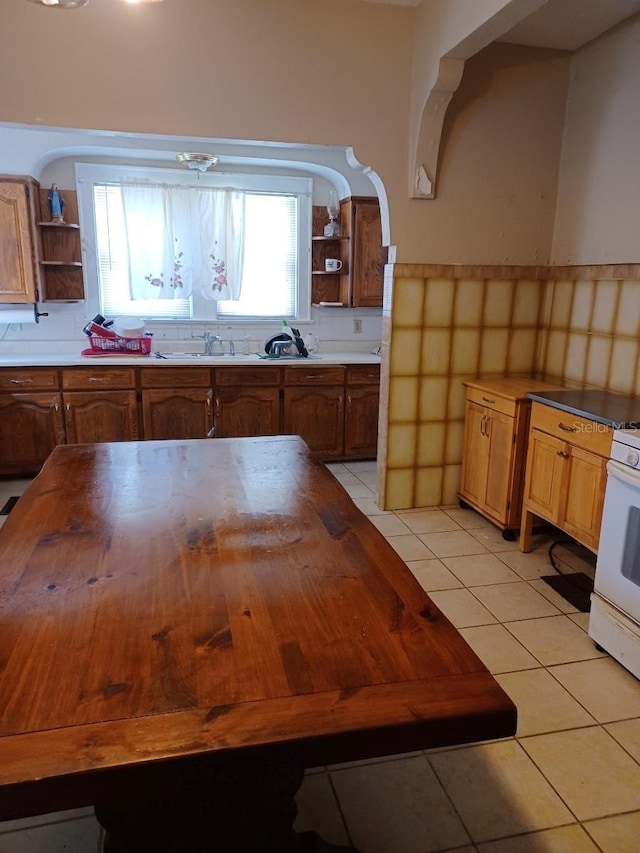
<point x="332" y="265"/>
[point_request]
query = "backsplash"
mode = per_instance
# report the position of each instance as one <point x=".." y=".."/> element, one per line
<point x="61" y="331"/>
<point x="579" y="325"/>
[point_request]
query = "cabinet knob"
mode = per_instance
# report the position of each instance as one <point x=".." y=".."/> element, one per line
<point x="562" y="454"/>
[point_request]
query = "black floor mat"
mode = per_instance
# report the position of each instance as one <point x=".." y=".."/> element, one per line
<point x="6" y="509"/>
<point x="574" y="587"/>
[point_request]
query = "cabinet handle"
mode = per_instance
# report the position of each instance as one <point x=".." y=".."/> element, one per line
<point x="56" y="407"/>
<point x="68" y="407"/>
<point x="21" y="381"/>
<point x="562" y="454"/>
<point x="488" y="400"/>
<point x="567" y="428"/>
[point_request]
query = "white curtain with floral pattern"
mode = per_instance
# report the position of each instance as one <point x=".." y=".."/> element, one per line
<point x="183" y="238"/>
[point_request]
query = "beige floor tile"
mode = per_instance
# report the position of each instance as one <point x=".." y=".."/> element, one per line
<point x="453" y="544"/>
<point x="498" y="791"/>
<point x="510" y="602"/>
<point x="346" y="478"/>
<point x="71" y="836"/>
<point x="369" y="478"/>
<point x="551" y="595"/>
<point x="390" y="525"/>
<point x="592" y="774"/>
<point x="410" y="547"/>
<point x="398" y="806"/>
<point x="369" y="507"/>
<point x="565" y="839"/>
<point x="433" y="575"/>
<point x="619" y="834"/>
<point x="580" y="619"/>
<point x="360" y="491"/>
<point x="603" y="687"/>
<point x="480" y="569"/>
<point x="543" y="704"/>
<point x="336" y="467"/>
<point x="360" y="467"/>
<point x="554" y="639"/>
<point x="497" y="649"/>
<point x="461" y="608"/>
<point x="318" y="809"/>
<point x="468" y="519"/>
<point x="429" y="521"/>
<point x="529" y="566"/>
<point x="627" y="733"/>
<point x="493" y="540"/>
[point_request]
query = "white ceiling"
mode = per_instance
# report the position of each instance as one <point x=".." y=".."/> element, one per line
<point x="569" y="24"/>
<point x="561" y="24"/>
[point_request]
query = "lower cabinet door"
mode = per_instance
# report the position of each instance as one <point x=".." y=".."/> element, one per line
<point x="317" y="415"/>
<point x="104" y="416"/>
<point x="174" y="413"/>
<point x="546" y="471"/>
<point x="241" y="412"/>
<point x="32" y="425"/>
<point x="361" y="422"/>
<point x="586" y="479"/>
<point x="500" y="434"/>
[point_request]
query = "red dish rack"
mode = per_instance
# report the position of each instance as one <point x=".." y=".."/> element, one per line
<point x="134" y="346"/>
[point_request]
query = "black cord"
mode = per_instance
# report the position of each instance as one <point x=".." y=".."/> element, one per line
<point x="551" y="548"/>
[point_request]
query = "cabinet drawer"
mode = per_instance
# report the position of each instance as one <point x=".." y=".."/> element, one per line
<point x="573" y="429"/>
<point x="363" y="374"/>
<point x="493" y="401"/>
<point x="247" y="376"/>
<point x="102" y="377"/>
<point x="26" y="379"/>
<point x="175" y="377"/>
<point x="314" y="375"/>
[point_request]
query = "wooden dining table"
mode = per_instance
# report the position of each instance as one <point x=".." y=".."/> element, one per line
<point x="185" y="626"/>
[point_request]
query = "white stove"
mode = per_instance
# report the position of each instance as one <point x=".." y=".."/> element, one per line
<point x="614" y="622"/>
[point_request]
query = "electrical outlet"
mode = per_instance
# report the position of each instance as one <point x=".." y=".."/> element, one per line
<point x="357" y="327"/>
<point x="15" y="327"/>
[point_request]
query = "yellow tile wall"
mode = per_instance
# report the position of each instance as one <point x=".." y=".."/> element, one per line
<point x="445" y="325"/>
<point x="442" y="324"/>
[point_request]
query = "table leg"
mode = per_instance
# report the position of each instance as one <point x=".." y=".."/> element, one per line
<point x="208" y="807"/>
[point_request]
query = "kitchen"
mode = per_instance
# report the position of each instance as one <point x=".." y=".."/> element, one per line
<point x="512" y="174"/>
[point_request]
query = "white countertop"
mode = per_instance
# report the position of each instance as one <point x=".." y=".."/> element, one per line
<point x="56" y="359"/>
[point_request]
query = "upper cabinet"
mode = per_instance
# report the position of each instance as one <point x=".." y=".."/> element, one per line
<point x="19" y="278"/>
<point x="359" y="281"/>
<point x="60" y="251"/>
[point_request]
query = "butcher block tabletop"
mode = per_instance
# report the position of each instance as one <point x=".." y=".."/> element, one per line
<point x="165" y="599"/>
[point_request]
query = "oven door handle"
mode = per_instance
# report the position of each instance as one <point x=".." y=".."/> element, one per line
<point x="622" y="473"/>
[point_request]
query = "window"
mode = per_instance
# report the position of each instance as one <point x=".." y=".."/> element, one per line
<point x="277" y="225"/>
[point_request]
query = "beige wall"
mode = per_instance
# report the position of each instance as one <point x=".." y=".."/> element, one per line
<point x="598" y="209"/>
<point x="319" y="71"/>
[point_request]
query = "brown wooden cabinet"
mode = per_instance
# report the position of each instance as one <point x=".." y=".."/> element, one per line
<point x="19" y="275"/>
<point x="565" y="475"/>
<point x="367" y="255"/>
<point x="60" y="252"/>
<point x="247" y="401"/>
<point x="359" y="283"/>
<point x="32" y="425"/>
<point x="100" y="405"/>
<point x="177" y="402"/>
<point x="314" y="408"/>
<point x="361" y="412"/>
<point x="496" y="429"/>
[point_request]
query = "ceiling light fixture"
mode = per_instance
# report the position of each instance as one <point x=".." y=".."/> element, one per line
<point x="198" y="162"/>
<point x="61" y="4"/>
<point x="78" y="4"/>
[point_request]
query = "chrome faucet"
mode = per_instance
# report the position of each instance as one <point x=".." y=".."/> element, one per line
<point x="209" y="341"/>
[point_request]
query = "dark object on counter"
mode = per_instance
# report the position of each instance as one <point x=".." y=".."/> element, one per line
<point x="281" y="336"/>
<point x="302" y="350"/>
<point x="604" y="407"/>
<point x="99" y="326"/>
